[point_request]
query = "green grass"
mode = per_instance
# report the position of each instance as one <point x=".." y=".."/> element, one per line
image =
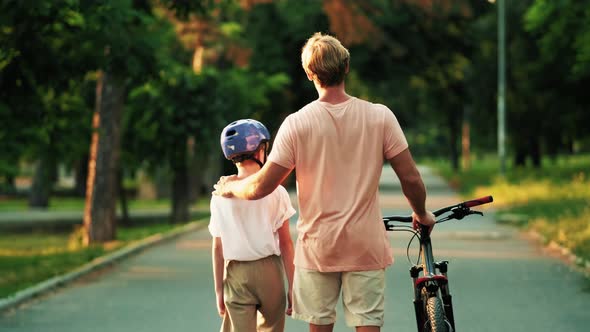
<point x="27" y="259"/>
<point x="554" y="200"/>
<point x="77" y="204"/>
<point x="22" y="271"/>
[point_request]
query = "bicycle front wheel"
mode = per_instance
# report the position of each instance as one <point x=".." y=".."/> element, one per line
<point x="436" y="316"/>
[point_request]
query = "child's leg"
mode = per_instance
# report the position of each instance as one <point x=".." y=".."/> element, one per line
<point x="272" y="295"/>
<point x="240" y="303"/>
<point x="239" y="317"/>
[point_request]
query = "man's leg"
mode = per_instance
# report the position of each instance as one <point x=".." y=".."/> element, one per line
<point x="363" y="297"/>
<point x="315" y="295"/>
<point x="329" y="328"/>
<point x="320" y="328"/>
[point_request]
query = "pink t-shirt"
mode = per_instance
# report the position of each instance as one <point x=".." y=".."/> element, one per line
<point x="338" y="153"/>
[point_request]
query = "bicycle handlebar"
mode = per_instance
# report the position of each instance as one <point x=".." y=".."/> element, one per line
<point x="463" y="206"/>
<point x="479" y="201"/>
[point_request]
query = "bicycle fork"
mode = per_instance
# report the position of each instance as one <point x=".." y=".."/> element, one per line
<point x="418" y="302"/>
<point x="447" y="298"/>
<point x="431" y="285"/>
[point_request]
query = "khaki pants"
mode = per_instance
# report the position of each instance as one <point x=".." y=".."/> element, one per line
<point x="251" y="289"/>
<point x="315" y="295"/>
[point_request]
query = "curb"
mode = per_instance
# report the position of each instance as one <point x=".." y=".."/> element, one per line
<point x="573" y="261"/>
<point x="98" y="263"/>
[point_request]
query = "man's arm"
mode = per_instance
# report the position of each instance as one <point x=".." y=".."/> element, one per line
<point x="412" y="185"/>
<point x="255" y="186"/>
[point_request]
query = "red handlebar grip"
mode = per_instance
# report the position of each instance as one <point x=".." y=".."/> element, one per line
<point x="479" y="201"/>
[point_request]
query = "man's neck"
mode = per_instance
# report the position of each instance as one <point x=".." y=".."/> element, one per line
<point x="332" y="94"/>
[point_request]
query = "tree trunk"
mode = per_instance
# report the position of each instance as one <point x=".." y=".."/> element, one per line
<point x="212" y="173"/>
<point x="466" y="141"/>
<point x="194" y="172"/>
<point x="125" y="220"/>
<point x="42" y="182"/>
<point x="180" y="196"/>
<point x="520" y="157"/>
<point x="81" y="176"/>
<point x="569" y="146"/>
<point x="180" y="190"/>
<point x="453" y="121"/>
<point x="103" y="164"/>
<point x="11" y="183"/>
<point x="200" y="162"/>
<point x="535" y="151"/>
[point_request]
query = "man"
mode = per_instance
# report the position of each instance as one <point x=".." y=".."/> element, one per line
<point x="338" y="144"/>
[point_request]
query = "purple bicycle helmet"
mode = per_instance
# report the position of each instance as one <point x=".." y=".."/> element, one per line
<point x="242" y="138"/>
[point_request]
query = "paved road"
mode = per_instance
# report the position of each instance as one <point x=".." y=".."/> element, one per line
<point x="500" y="282"/>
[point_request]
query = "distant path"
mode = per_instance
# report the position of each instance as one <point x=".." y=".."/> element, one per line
<point x="499" y="282"/>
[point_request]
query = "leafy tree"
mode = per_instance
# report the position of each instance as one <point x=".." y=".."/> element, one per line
<point x="42" y="113"/>
<point x="561" y="30"/>
<point x="416" y="57"/>
<point x="164" y="115"/>
<point x="278" y="51"/>
<point x="119" y="38"/>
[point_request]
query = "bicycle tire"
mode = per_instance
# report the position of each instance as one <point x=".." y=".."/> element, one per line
<point x="436" y="316"/>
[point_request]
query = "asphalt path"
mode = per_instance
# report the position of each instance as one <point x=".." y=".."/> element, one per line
<point x="500" y="281"/>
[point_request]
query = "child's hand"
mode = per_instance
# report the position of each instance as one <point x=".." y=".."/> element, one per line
<point x="220" y="305"/>
<point x="289" y="304"/>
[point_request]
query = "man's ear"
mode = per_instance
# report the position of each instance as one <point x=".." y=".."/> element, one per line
<point x="309" y="75"/>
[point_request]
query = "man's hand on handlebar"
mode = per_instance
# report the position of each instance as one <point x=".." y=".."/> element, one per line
<point x="426" y="219"/>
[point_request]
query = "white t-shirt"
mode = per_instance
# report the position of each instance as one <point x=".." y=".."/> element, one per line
<point x="248" y="228"/>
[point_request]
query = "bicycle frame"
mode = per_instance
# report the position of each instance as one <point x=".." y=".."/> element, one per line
<point x="429" y="278"/>
<point x="433" y="279"/>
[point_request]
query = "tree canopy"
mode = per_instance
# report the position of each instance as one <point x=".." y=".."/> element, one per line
<point x="186" y="68"/>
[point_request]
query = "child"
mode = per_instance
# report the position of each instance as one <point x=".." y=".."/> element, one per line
<point x="249" y="239"/>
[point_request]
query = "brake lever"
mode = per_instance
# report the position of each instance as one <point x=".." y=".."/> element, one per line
<point x="459" y="213"/>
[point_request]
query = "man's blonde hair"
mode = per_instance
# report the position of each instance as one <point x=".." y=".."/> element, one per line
<point x="325" y="58"/>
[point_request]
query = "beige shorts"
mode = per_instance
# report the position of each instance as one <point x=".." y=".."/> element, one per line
<point x="254" y="295"/>
<point x="315" y="295"/>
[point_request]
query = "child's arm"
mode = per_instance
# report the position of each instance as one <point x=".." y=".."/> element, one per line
<point x="287" y="253"/>
<point x="218" y="266"/>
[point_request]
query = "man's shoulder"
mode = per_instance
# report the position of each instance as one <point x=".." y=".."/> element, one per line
<point x="296" y="120"/>
<point x="305" y="110"/>
<point x="377" y="107"/>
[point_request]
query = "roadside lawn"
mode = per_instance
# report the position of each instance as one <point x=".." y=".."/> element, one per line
<point x="77" y="204"/>
<point x="553" y="200"/>
<point x="29" y="258"/>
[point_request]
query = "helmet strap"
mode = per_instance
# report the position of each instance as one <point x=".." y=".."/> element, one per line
<point x="251" y="157"/>
<point x="265" y="147"/>
<point x="258" y="162"/>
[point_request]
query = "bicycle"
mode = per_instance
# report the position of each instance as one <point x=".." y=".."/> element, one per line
<point x="433" y="304"/>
